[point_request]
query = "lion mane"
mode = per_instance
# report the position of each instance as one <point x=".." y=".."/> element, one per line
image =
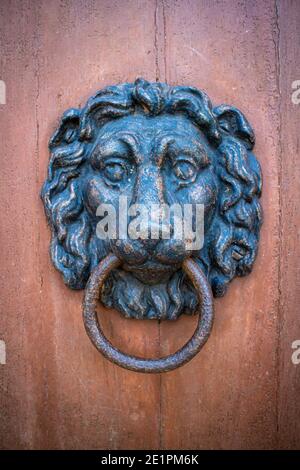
<point x="231" y="243"/>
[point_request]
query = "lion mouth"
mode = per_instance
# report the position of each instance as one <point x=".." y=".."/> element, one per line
<point x="151" y="272"/>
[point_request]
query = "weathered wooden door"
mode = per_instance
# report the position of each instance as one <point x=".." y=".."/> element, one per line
<point x="242" y="390"/>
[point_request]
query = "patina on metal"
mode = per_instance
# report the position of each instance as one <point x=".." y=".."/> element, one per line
<point x="165" y="364"/>
<point x="155" y="145"/>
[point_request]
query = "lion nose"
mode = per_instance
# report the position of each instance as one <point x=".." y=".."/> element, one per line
<point x="148" y="192"/>
<point x="149" y="187"/>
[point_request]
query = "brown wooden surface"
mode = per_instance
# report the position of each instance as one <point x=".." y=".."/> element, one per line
<point x="289" y="310"/>
<point x="56" y="390"/>
<point x="227" y="395"/>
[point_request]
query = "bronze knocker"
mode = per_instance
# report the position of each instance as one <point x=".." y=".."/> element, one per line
<point x="185" y="354"/>
<point x="148" y="151"/>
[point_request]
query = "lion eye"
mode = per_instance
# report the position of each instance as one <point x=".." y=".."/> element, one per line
<point x="185" y="171"/>
<point x="114" y="172"/>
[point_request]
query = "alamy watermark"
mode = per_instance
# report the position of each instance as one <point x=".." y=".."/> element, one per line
<point x="296" y="354"/>
<point x="296" y="93"/>
<point x="2" y="92"/>
<point x="2" y="352"/>
<point x="154" y="221"/>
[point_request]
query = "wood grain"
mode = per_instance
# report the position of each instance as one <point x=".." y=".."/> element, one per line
<point x="20" y="280"/>
<point x="226" y="396"/>
<point x="56" y="391"/>
<point x="289" y="330"/>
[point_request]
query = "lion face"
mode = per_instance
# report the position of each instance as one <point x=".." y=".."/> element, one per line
<point x="157" y="146"/>
<point x="153" y="161"/>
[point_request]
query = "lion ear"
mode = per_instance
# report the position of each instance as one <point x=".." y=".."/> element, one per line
<point x="68" y="129"/>
<point x="233" y="121"/>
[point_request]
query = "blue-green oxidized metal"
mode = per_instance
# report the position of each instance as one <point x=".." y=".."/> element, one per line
<point x="156" y="145"/>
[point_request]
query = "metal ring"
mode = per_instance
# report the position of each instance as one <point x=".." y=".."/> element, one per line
<point x="164" y="364"/>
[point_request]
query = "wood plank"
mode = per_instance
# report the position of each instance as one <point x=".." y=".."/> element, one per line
<point x="101" y="45"/>
<point x="57" y="391"/>
<point x="226" y="397"/>
<point x="289" y="373"/>
<point x="20" y="281"/>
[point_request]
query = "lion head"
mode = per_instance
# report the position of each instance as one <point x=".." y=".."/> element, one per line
<point x="156" y="144"/>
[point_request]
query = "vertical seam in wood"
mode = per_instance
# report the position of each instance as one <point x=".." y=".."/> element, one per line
<point x="280" y="233"/>
<point x="160" y="402"/>
<point x="157" y="78"/>
<point x="160" y="41"/>
<point x="165" y="39"/>
<point x="161" y="378"/>
<point x="37" y="153"/>
<point x="160" y="49"/>
<point x="157" y="71"/>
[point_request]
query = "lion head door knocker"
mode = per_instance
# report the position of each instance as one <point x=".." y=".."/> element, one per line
<point x="152" y="196"/>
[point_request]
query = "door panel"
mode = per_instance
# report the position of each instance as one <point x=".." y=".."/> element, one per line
<point x="232" y="385"/>
<point x="56" y="390"/>
<point x="289" y="318"/>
